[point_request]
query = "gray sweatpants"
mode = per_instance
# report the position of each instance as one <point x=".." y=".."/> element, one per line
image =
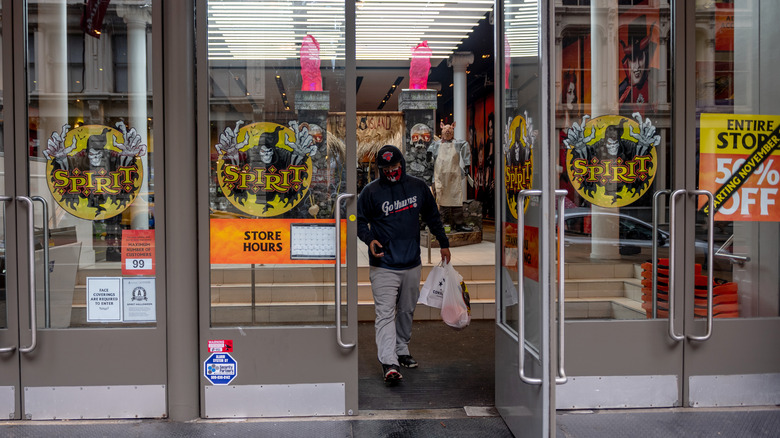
<point x="395" y="297"/>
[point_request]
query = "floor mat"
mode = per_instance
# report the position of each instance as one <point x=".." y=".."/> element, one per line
<point x="456" y="368"/>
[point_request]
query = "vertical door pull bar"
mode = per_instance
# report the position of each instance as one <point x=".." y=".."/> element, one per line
<point x="46" y="273"/>
<point x="656" y="197"/>
<point x="521" y="195"/>
<point x="710" y="261"/>
<point x="31" y="272"/>
<point x="337" y="264"/>
<point x="5" y="199"/>
<point x="561" y="195"/>
<point x="672" y="242"/>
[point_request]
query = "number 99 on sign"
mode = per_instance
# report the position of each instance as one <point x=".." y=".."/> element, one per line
<point x="138" y="264"/>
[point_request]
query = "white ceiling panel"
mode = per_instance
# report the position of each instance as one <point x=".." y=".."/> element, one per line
<point x="386" y="30"/>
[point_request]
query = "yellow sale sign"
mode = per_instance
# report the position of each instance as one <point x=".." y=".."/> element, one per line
<point x="739" y="162"/>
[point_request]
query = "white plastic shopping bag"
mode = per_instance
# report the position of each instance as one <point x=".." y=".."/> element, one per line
<point x="432" y="291"/>
<point x="454" y="310"/>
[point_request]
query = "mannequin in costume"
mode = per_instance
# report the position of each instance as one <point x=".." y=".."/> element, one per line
<point x="452" y="159"/>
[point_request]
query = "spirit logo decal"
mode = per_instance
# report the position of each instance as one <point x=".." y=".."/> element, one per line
<point x="612" y="159"/>
<point x="264" y="169"/>
<point x="95" y="172"/>
<point x="519" y="139"/>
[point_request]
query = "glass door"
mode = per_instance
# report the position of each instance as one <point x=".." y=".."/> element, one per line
<point x="731" y="331"/>
<point x="526" y="343"/>
<point x="9" y="316"/>
<point x="666" y="114"/>
<point x="279" y="318"/>
<point x="83" y="308"/>
<point x="620" y="159"/>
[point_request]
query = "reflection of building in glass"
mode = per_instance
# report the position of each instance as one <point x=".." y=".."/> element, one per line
<point x="616" y="63"/>
<point x="83" y="75"/>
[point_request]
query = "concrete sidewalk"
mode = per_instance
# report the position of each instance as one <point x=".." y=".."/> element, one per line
<point x="646" y="423"/>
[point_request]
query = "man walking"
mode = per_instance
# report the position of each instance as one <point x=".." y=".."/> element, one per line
<point x="389" y="209"/>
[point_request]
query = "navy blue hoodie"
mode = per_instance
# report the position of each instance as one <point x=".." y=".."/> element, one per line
<point x="390" y="212"/>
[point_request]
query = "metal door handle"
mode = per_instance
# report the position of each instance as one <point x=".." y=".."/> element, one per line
<point x="337" y="264"/>
<point x="733" y="258"/>
<point x="31" y="272"/>
<point x="6" y="199"/>
<point x="656" y="197"/>
<point x="46" y="273"/>
<point x="710" y="261"/>
<point x="672" y="240"/>
<point x="561" y="194"/>
<point x="521" y="195"/>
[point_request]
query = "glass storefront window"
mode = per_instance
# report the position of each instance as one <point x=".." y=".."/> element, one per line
<point x="90" y="150"/>
<point x="277" y="86"/>
<point x="262" y="61"/>
<point x="737" y="126"/>
<point x="614" y="120"/>
<point x="3" y="300"/>
<point x="518" y="163"/>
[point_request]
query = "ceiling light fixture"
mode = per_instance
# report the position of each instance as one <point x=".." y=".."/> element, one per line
<point x="282" y="92"/>
<point x="385" y="30"/>
<point x="522" y="29"/>
<point x="390" y="92"/>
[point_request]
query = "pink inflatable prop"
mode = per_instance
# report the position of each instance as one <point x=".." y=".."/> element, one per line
<point x="419" y="67"/>
<point x="310" y="64"/>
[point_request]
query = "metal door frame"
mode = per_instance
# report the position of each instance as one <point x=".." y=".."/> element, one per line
<point x="526" y="404"/>
<point x="654" y="376"/>
<point x="683" y="360"/>
<point x="69" y="360"/>
<point x="738" y="364"/>
<point x="10" y="378"/>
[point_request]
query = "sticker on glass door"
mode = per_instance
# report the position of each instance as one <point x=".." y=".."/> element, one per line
<point x="738" y="164"/>
<point x="612" y="159"/>
<point x="94" y="171"/>
<point x="118" y="299"/>
<point x="220" y="345"/>
<point x="264" y="169"/>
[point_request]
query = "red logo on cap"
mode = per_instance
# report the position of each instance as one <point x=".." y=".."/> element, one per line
<point x="387" y="156"/>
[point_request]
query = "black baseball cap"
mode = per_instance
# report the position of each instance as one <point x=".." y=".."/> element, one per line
<point x="387" y="156"/>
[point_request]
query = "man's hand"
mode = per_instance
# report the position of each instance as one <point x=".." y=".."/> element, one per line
<point x="445" y="255"/>
<point x="376" y="248"/>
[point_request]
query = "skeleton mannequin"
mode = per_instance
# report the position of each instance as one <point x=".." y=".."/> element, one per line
<point x="418" y="159"/>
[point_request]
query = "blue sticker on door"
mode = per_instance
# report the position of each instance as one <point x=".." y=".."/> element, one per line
<point x="220" y="368"/>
